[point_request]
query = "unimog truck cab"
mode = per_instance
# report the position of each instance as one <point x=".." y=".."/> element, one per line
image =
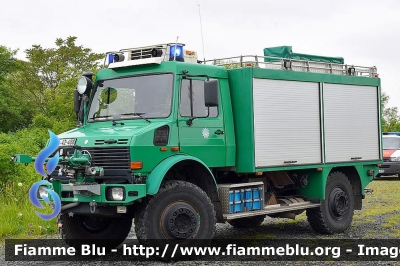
<point x="178" y="144"/>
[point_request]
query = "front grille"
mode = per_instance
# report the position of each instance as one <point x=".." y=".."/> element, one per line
<point x="386" y="160"/>
<point x="111" y="159"/>
<point x="118" y="141"/>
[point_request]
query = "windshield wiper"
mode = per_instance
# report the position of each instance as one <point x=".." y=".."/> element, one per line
<point x="139" y="115"/>
<point x="104" y="116"/>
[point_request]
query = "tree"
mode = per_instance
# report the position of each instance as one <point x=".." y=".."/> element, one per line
<point x="7" y="62"/>
<point x="47" y="80"/>
<point x="14" y="113"/>
<point x="390" y="116"/>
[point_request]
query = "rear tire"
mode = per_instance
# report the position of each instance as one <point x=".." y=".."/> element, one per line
<point x="179" y="213"/>
<point x="335" y="213"/>
<point x="247" y="222"/>
<point x="80" y="229"/>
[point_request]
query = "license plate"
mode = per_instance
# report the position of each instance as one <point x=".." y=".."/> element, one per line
<point x="381" y="171"/>
<point x="67" y="142"/>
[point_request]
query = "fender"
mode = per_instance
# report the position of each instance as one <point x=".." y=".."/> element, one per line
<point x="317" y="179"/>
<point x="155" y="178"/>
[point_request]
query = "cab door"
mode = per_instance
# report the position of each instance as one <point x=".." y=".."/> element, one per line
<point x="201" y="128"/>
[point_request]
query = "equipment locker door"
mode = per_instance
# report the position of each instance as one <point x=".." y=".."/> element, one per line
<point x="351" y="118"/>
<point x="287" y="122"/>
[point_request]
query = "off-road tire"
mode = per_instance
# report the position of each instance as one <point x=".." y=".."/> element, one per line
<point x="335" y="213"/>
<point x="176" y="203"/>
<point x="247" y="222"/>
<point x="75" y="230"/>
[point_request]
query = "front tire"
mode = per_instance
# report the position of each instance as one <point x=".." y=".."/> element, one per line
<point x="335" y="213"/>
<point x="179" y="213"/>
<point x="81" y="229"/>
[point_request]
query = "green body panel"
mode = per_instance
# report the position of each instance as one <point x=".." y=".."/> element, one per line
<point x="286" y="52"/>
<point x="235" y="148"/>
<point x="154" y="180"/>
<point x="240" y="81"/>
<point x="314" y="77"/>
<point x="316" y="183"/>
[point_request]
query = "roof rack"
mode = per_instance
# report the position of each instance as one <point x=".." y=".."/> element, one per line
<point x="271" y="62"/>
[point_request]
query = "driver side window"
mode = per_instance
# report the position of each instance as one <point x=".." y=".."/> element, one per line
<point x="197" y="95"/>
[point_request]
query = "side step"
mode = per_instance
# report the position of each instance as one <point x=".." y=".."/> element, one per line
<point x="269" y="209"/>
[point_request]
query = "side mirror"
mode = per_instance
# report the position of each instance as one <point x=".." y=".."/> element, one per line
<point x="211" y="93"/>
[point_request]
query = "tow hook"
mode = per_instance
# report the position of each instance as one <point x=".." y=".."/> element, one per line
<point x="93" y="205"/>
<point x="368" y="191"/>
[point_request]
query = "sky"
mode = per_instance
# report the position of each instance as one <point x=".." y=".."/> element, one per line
<point x="365" y="33"/>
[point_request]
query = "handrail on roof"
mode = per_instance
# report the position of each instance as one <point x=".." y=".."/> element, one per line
<point x="271" y="62"/>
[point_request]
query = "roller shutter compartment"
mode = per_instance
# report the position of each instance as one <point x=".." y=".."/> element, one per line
<point x="287" y="123"/>
<point x="351" y="123"/>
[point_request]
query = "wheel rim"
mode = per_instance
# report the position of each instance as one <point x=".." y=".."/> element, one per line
<point x="338" y="203"/>
<point x="94" y="225"/>
<point x="179" y="220"/>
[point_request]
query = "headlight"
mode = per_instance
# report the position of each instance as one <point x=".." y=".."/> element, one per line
<point x="42" y="192"/>
<point x="116" y="193"/>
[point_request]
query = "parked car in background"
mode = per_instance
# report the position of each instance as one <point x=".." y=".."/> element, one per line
<point x="391" y="154"/>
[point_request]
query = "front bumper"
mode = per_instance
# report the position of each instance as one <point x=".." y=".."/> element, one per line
<point x="389" y="168"/>
<point x="82" y="193"/>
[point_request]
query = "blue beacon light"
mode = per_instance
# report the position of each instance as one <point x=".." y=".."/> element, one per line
<point x="110" y="58"/>
<point x="178" y="52"/>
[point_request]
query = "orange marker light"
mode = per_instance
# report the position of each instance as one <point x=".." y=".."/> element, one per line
<point x="259" y="173"/>
<point x="136" y="165"/>
<point x="379" y="165"/>
<point x="319" y="169"/>
<point x="163" y="149"/>
<point x="174" y="148"/>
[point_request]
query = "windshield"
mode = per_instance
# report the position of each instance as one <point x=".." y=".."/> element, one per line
<point x="132" y="97"/>
<point x="391" y="143"/>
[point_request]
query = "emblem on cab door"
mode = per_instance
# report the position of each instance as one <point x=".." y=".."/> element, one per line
<point x="205" y="132"/>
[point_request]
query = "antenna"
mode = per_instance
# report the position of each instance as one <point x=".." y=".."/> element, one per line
<point x="202" y="40"/>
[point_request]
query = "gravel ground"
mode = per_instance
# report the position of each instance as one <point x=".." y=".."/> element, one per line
<point x="271" y="228"/>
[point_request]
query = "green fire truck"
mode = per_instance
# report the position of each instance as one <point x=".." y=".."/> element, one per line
<point x="177" y="145"/>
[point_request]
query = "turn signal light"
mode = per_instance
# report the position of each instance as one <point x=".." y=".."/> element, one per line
<point x="174" y="148"/>
<point x="136" y="165"/>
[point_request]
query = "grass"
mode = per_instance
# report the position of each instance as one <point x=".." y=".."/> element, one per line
<point x="18" y="217"/>
<point x="384" y="199"/>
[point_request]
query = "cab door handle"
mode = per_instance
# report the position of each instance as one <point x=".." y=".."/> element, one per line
<point x="219" y="132"/>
